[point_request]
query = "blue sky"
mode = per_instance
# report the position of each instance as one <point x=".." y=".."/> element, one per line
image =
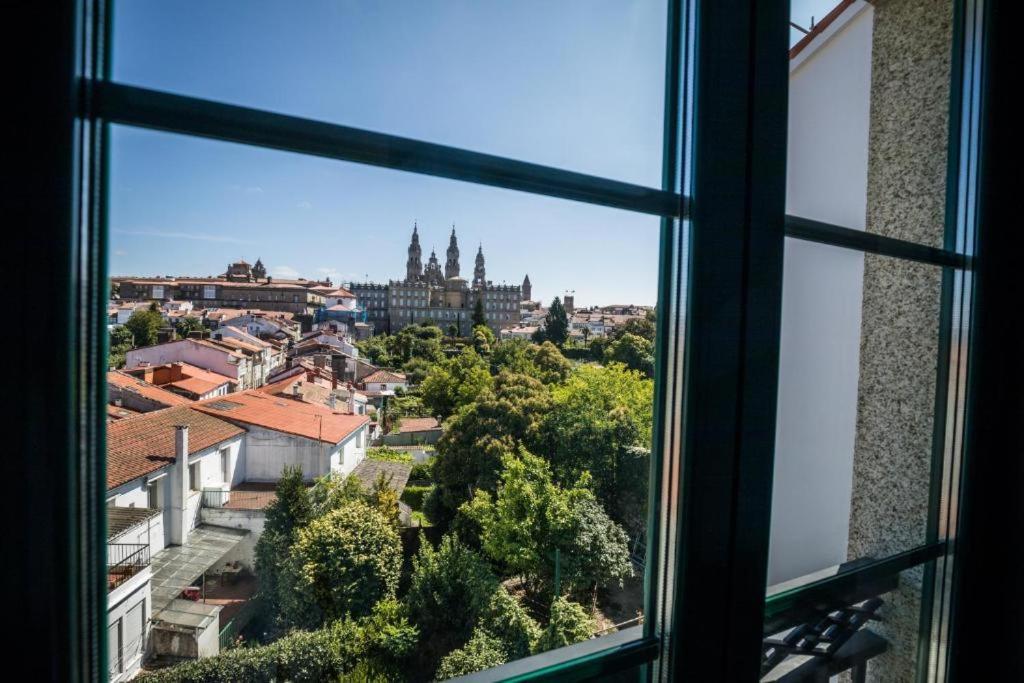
<point x="572" y="84"/>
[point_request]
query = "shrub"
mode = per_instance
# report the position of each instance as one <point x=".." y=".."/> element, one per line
<point x="423" y="471"/>
<point x="508" y="622"/>
<point x="413" y="496"/>
<point x="388" y="454"/>
<point x="481" y="652"/>
<point x="347" y="560"/>
<point x="302" y="656"/>
<point x="568" y="623"/>
<point x="449" y="590"/>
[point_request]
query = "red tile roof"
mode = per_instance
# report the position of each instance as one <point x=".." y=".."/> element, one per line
<point x="383" y="376"/>
<point x="308" y="420"/>
<point x="150" y="391"/>
<point x="418" y="424"/>
<point x="139" y="445"/>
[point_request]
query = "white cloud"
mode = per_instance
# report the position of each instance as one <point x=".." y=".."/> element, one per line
<point x="120" y="252"/>
<point x="304" y="205"/>
<point x="254" y="189"/>
<point x="286" y="272"/>
<point x="171" y="234"/>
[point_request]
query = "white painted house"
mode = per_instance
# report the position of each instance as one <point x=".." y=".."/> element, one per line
<point x="172" y="478"/>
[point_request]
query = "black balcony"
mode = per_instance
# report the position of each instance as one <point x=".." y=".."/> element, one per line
<point x="125" y="560"/>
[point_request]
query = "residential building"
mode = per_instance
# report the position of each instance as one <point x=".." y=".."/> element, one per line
<point x="384" y="382"/>
<point x="136" y="394"/>
<point x="246" y="363"/>
<point x="185" y="379"/>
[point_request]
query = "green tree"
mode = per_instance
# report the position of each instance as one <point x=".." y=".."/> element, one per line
<point x="552" y="366"/>
<point x="532" y="516"/>
<point x="597" y="417"/>
<point x="633" y="351"/>
<point x="449" y="590"/>
<point x="568" y="623"/>
<point x="476" y="438"/>
<point x="483" y="339"/>
<point x="416" y="370"/>
<point x="454" y="383"/>
<point x="387" y="640"/>
<point x="514" y="356"/>
<point x="641" y="327"/>
<point x="478" y="313"/>
<point x="333" y="491"/>
<point x="120" y="344"/>
<point x="556" y="323"/>
<point x="507" y="620"/>
<point x="144" y="326"/>
<point x="347" y="560"/>
<point x="384" y="498"/>
<point x="483" y="651"/>
<point x="187" y="325"/>
<point x="289" y="511"/>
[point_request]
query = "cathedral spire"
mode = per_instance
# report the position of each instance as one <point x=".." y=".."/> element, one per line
<point x="414" y="264"/>
<point x="479" y="275"/>
<point x="451" y="266"/>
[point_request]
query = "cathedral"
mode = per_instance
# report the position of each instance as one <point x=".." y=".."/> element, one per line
<point x="428" y="294"/>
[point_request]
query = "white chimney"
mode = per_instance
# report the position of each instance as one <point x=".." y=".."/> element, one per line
<point x="180" y="487"/>
<point x="351" y="400"/>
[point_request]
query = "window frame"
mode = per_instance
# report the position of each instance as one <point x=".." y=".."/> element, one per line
<point x="731" y="47"/>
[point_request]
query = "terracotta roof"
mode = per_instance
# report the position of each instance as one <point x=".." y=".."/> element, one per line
<point x="195" y="385"/>
<point x="383" y="376"/>
<point x="418" y="424"/>
<point x="819" y="27"/>
<point x="137" y="446"/>
<point x="307" y="420"/>
<point x="150" y="391"/>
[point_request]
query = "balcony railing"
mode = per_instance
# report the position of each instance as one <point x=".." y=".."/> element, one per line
<point x="125" y="560"/>
<point x="238" y="500"/>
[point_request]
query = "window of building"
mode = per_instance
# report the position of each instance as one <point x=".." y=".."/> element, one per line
<point x="195" y="482"/>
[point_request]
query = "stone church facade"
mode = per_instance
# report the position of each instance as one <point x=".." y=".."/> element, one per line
<point x="443" y="297"/>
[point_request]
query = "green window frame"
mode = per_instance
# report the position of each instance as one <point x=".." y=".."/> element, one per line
<point x="721" y="205"/>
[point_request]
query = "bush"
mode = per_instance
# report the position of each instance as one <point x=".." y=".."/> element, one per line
<point x="302" y="656"/>
<point x="508" y="622"/>
<point x="423" y="471"/>
<point x="388" y="454"/>
<point x="449" y="590"/>
<point x="347" y="560"/>
<point x="482" y="652"/>
<point x="569" y="623"/>
<point x="413" y="496"/>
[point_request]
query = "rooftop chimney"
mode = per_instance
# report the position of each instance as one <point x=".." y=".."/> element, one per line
<point x="180" y="487"/>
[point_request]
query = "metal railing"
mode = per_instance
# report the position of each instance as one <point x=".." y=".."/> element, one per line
<point x="238" y="500"/>
<point x="125" y="560"/>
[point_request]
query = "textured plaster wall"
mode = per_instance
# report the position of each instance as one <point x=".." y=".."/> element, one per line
<point x="907" y="142"/>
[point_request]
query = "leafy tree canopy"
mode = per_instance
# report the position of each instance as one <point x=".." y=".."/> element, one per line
<point x="475" y="438"/>
<point x="568" y="623"/>
<point x="455" y="382"/>
<point x="144" y="326"/>
<point x="552" y="366"/>
<point x="556" y="323"/>
<point x="450" y="589"/>
<point x="187" y="325"/>
<point x="347" y="560"/>
<point x="633" y="351"/>
<point x="483" y="651"/>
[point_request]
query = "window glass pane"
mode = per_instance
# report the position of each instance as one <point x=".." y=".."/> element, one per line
<point x="857" y="391"/>
<point x="576" y="85"/>
<point x="869" y="91"/>
<point x="493" y="502"/>
<point x="860" y="459"/>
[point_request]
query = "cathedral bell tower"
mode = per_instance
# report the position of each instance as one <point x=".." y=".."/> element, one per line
<point x="479" y="275"/>
<point x="451" y="266"/>
<point x="414" y="266"/>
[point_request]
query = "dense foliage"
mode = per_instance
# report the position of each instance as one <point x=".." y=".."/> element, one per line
<point x="556" y="323"/>
<point x="531" y="517"/>
<point x="454" y="383"/>
<point x="482" y="652"/>
<point x="144" y="326"/>
<point x="347" y="560"/>
<point x="568" y="623"/>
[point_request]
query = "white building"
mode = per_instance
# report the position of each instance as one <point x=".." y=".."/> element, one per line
<point x="819" y="364"/>
<point x="245" y="363"/>
<point x="175" y="481"/>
